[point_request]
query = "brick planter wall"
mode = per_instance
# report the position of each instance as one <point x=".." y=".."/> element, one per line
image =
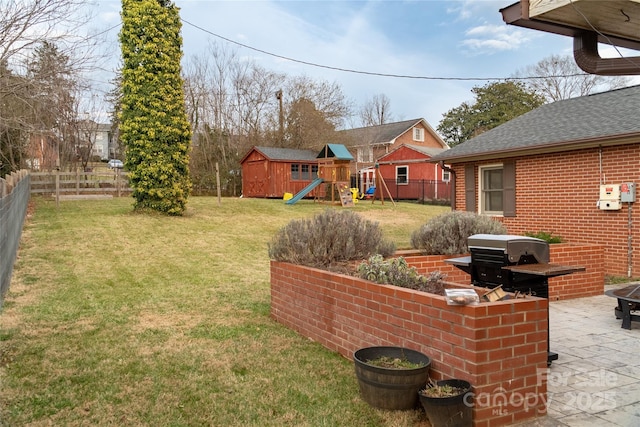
<point x="499" y="347"/>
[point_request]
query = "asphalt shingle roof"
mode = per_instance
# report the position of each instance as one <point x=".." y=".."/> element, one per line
<point x="380" y="134"/>
<point x="591" y="117"/>
<point x="429" y="151"/>
<point x="275" y="153"/>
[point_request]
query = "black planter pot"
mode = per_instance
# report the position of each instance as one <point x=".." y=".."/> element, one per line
<point x="388" y="388"/>
<point x="450" y="411"/>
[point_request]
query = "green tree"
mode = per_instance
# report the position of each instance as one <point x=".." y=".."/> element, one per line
<point x="153" y="123"/>
<point x="495" y="104"/>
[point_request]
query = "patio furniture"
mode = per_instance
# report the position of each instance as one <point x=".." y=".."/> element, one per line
<point x="628" y="301"/>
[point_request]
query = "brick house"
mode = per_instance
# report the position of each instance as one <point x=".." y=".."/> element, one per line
<point x="369" y="144"/>
<point x="557" y="169"/>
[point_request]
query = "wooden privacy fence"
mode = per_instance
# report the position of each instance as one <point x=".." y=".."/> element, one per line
<point x="113" y="182"/>
<point x="14" y="198"/>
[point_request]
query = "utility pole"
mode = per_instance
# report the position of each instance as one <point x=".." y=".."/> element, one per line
<point x="281" y="115"/>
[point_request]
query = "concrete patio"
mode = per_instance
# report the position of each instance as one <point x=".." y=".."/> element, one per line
<point x="596" y="379"/>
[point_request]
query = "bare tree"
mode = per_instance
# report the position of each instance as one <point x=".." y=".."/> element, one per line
<point x="560" y="78"/>
<point x="307" y="127"/>
<point x="326" y="97"/>
<point x="26" y="23"/>
<point x="44" y="51"/>
<point x="234" y="104"/>
<point x="376" y="111"/>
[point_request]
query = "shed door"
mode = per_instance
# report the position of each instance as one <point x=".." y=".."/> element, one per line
<point x="256" y="180"/>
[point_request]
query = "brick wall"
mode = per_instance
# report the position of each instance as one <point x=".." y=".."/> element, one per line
<point x="557" y="192"/>
<point x="582" y="284"/>
<point x="499" y="347"/>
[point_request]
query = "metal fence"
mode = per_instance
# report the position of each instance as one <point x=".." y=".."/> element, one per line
<point x="14" y="198"/>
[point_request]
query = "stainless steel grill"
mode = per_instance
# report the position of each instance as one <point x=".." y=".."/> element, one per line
<point x="519" y="264"/>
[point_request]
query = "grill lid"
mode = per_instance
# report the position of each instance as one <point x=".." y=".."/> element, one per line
<point x="512" y="246"/>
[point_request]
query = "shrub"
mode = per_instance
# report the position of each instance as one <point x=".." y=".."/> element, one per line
<point x="447" y="234"/>
<point x="330" y="238"/>
<point x="546" y="236"/>
<point x="397" y="272"/>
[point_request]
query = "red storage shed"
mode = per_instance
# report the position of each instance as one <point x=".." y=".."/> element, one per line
<point x="269" y="172"/>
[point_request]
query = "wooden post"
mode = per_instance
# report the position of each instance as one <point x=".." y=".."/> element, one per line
<point x="57" y="188"/>
<point x="380" y="179"/>
<point x="218" y="183"/>
<point x="118" y="182"/>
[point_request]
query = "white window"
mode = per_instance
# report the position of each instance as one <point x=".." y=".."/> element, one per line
<point x="365" y="154"/>
<point x="402" y="174"/>
<point x="418" y="134"/>
<point x="491" y="189"/>
<point x="446" y="176"/>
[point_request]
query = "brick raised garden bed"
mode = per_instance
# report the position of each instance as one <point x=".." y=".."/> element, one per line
<point x="499" y="347"/>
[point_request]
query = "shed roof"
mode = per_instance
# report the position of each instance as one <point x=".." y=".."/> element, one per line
<point x="598" y="119"/>
<point x="288" y="154"/>
<point x="337" y="151"/>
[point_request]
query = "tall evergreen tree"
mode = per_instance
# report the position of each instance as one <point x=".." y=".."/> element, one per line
<point x="153" y="123"/>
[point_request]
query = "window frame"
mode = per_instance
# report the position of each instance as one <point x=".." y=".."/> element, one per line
<point x="365" y="154"/>
<point x="406" y="175"/>
<point x="295" y="171"/>
<point x="418" y="134"/>
<point x="483" y="192"/>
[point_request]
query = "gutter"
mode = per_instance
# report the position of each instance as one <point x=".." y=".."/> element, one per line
<point x="453" y="179"/>
<point x="585" y="41"/>
<point x="585" y="53"/>
<point x="554" y="147"/>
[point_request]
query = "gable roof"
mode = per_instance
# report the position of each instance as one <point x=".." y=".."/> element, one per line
<point x="605" y="118"/>
<point x="337" y="151"/>
<point x="287" y="154"/>
<point x="427" y="151"/>
<point x="386" y="133"/>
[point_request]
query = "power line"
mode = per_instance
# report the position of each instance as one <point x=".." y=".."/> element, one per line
<point x="371" y="73"/>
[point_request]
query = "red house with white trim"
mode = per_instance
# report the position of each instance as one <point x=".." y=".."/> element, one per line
<point x="409" y="173"/>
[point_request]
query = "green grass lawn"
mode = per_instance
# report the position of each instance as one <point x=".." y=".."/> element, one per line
<point x="116" y="318"/>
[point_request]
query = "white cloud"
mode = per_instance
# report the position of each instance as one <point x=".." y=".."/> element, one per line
<point x="485" y="39"/>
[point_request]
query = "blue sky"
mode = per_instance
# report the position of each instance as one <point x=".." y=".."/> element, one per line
<point x="427" y="38"/>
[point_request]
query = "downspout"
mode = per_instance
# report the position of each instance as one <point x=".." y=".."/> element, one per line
<point x="453" y="179"/>
<point x="585" y="53"/>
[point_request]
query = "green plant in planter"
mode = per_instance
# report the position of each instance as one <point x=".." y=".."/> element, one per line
<point x="545" y="235"/>
<point x="329" y="239"/>
<point x="397" y="272"/>
<point x="447" y="234"/>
